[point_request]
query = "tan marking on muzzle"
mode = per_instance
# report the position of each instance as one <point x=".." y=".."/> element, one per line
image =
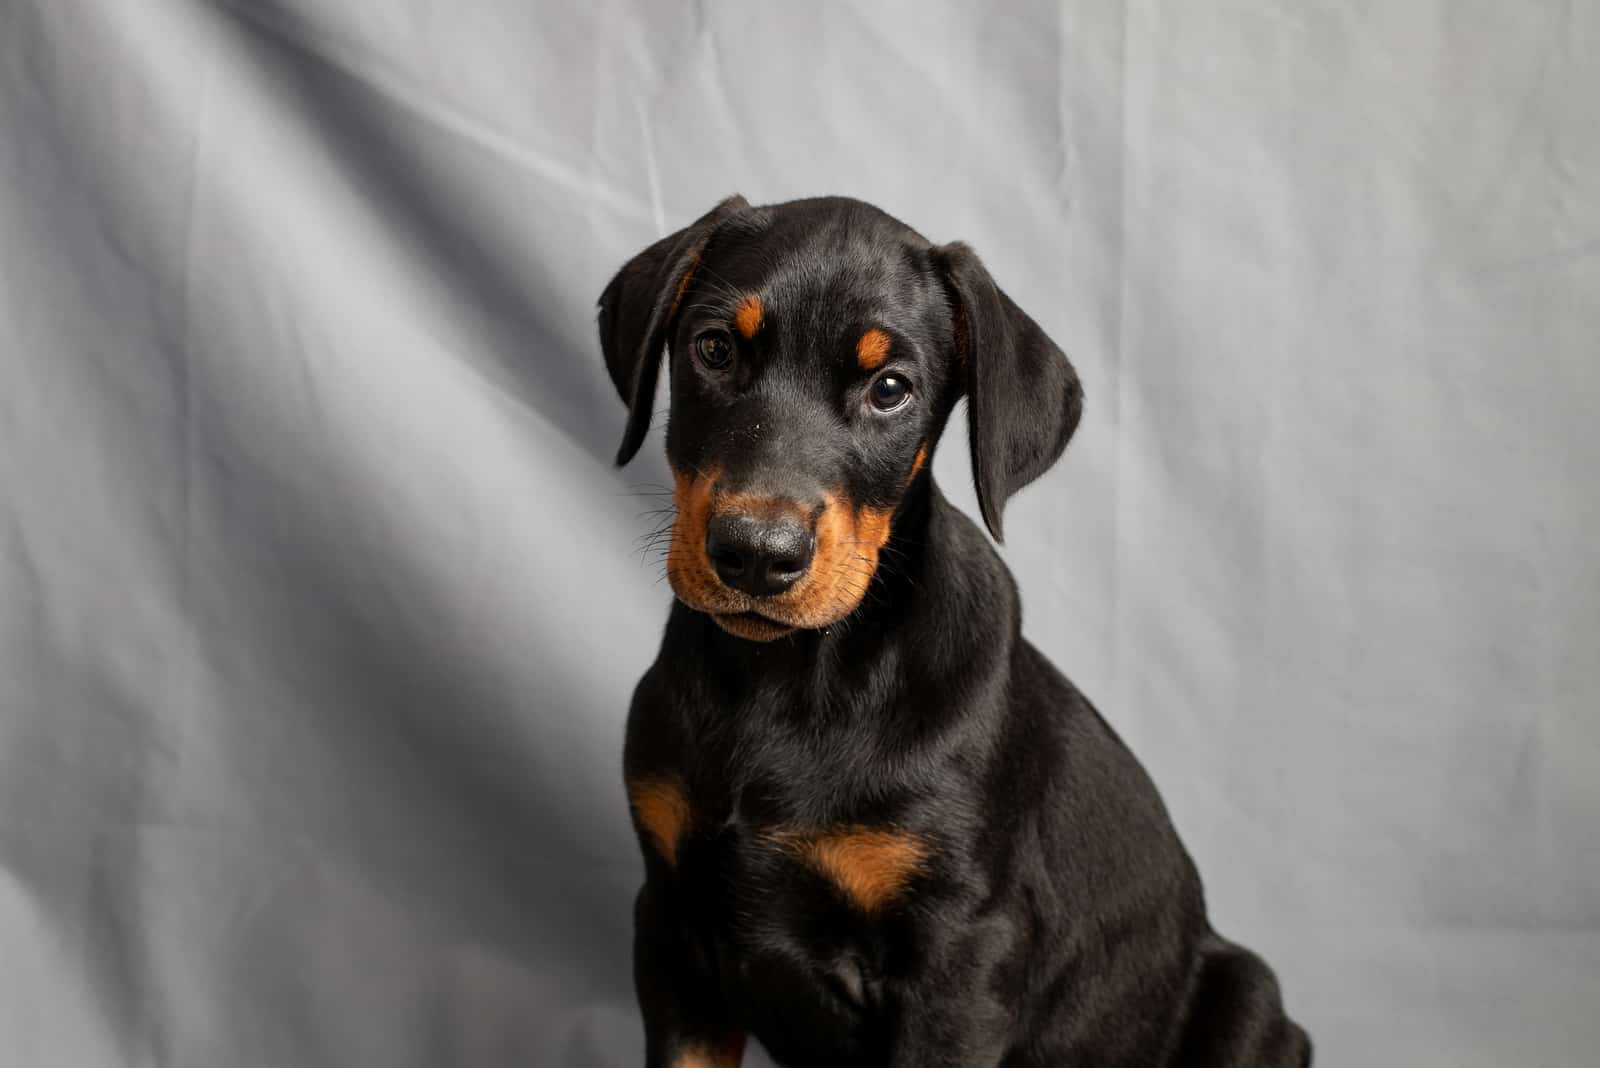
<point x="846" y="558"/>
<point x="848" y="540"/>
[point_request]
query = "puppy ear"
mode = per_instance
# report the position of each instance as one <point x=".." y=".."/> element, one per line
<point x="636" y="309"/>
<point x="1023" y="397"/>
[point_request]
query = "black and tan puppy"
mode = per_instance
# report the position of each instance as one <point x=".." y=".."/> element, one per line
<point x="879" y="828"/>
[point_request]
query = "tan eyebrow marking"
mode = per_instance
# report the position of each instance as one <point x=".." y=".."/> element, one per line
<point x="872" y="350"/>
<point x="747" y="316"/>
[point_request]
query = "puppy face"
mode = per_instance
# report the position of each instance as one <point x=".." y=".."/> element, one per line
<point x="810" y="371"/>
<point x="815" y="350"/>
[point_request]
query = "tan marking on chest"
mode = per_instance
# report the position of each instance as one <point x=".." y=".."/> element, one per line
<point x="872" y="350"/>
<point x="747" y="316"/>
<point x="872" y="866"/>
<point x="663" y="812"/>
<point x="724" y="1053"/>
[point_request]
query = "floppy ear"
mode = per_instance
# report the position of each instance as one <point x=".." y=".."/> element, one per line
<point x="636" y="309"/>
<point x="1023" y="397"/>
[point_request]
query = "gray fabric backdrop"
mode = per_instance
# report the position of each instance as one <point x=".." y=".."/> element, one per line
<point x="319" y="600"/>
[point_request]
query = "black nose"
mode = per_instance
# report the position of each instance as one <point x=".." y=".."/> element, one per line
<point x="761" y="555"/>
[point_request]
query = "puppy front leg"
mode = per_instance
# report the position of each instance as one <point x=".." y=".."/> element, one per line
<point x="953" y="1014"/>
<point x="960" y="1039"/>
<point x="1236" y="1017"/>
<point x="685" y="1022"/>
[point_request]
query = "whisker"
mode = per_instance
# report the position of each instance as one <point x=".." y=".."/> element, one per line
<point x="715" y="309"/>
<point x="707" y="270"/>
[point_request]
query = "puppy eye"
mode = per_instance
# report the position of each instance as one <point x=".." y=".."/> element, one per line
<point x="890" y="392"/>
<point x="714" y="349"/>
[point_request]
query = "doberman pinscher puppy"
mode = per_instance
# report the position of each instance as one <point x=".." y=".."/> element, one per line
<point x="879" y="828"/>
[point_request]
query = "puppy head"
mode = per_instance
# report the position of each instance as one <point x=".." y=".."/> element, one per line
<point x="816" y="349"/>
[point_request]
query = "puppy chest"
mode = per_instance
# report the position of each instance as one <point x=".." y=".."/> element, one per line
<point x="860" y="867"/>
<point x="826" y="902"/>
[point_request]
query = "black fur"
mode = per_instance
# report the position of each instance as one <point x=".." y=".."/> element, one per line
<point x="1057" y="920"/>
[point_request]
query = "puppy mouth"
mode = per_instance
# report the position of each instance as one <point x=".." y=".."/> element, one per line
<point x="752" y="626"/>
<point x="848" y="538"/>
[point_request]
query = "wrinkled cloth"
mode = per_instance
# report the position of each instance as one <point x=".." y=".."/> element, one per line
<point x="321" y="602"/>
